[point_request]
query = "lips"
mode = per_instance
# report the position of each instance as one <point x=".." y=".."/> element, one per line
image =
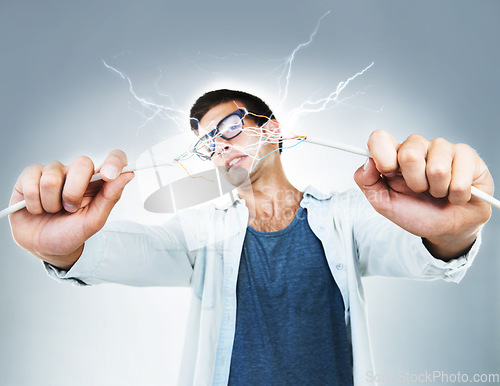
<point x="233" y="161"/>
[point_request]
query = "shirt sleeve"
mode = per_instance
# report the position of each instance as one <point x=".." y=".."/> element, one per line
<point x="133" y="254"/>
<point x="385" y="249"/>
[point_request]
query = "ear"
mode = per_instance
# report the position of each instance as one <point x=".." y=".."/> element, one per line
<point x="273" y="131"/>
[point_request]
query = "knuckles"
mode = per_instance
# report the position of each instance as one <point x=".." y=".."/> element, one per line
<point x="32" y="197"/>
<point x="460" y="193"/>
<point x="409" y="155"/>
<point x="379" y="134"/>
<point x="461" y="190"/>
<point x="70" y="198"/>
<point x="32" y="168"/>
<point x="416" y="138"/>
<point x="31" y="192"/>
<point x="51" y="181"/>
<point x="438" y="171"/>
<point x="438" y="192"/>
<point x="34" y="210"/>
<point x="440" y="142"/>
<point x="83" y="161"/>
<point x="465" y="149"/>
<point x="458" y="197"/>
<point x="386" y="169"/>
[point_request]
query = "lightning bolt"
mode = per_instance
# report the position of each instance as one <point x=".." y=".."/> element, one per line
<point x="155" y="110"/>
<point x="159" y="92"/>
<point x="322" y="104"/>
<point x="152" y="110"/>
<point x="287" y="69"/>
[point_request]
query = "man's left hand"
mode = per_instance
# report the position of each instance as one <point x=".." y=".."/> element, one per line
<point x="425" y="187"/>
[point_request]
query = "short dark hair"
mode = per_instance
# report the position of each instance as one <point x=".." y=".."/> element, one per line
<point x="214" y="98"/>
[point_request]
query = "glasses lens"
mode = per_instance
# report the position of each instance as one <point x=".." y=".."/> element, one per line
<point x="228" y="128"/>
<point x="205" y="147"/>
<point x="231" y="126"/>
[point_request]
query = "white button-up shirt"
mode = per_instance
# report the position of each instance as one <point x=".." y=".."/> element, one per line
<point x="201" y="248"/>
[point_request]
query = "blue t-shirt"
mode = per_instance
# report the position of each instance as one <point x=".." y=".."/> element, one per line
<point x="290" y="327"/>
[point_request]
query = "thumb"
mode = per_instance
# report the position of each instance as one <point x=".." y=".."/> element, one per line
<point x="105" y="200"/>
<point x="373" y="186"/>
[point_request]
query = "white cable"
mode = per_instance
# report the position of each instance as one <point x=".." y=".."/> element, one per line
<point x="339" y="146"/>
<point x="13" y="208"/>
<point x="485" y="197"/>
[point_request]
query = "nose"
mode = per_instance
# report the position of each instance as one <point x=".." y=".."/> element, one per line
<point x="222" y="145"/>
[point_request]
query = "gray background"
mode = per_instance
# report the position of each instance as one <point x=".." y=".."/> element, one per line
<point x="435" y="73"/>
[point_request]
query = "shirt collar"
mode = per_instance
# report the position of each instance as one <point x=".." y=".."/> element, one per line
<point x="228" y="200"/>
<point x="315" y="193"/>
<point x="310" y="192"/>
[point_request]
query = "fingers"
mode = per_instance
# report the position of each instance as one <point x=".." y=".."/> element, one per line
<point x="465" y="164"/>
<point x="55" y="186"/>
<point x="113" y="165"/>
<point x="439" y="167"/>
<point x="373" y="186"/>
<point x="51" y="185"/>
<point x="104" y="202"/>
<point x="412" y="162"/>
<point x="28" y="188"/>
<point x="384" y="149"/>
<point x="77" y="180"/>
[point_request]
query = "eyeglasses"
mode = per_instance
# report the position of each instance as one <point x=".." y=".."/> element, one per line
<point x="228" y="128"/>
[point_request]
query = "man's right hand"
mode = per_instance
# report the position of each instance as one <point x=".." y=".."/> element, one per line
<point x="62" y="209"/>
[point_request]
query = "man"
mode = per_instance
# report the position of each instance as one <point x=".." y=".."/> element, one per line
<point x="276" y="300"/>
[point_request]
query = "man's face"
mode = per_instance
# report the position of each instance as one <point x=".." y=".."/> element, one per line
<point x="236" y="157"/>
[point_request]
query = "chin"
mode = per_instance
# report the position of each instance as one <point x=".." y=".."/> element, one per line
<point x="236" y="176"/>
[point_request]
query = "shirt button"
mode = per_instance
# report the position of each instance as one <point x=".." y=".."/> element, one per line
<point x="321" y="228"/>
<point x="339" y="266"/>
<point x="231" y="270"/>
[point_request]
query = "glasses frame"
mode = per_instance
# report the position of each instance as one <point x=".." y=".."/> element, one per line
<point x="210" y="136"/>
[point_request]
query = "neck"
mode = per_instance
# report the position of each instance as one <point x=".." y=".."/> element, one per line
<point x="271" y="199"/>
